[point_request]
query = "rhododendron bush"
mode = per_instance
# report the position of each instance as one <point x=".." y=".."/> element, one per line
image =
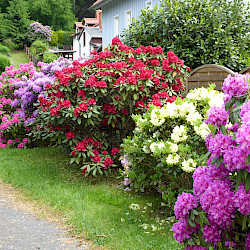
<point x="19" y="91"/>
<point x="217" y="214"/>
<point x="88" y="109"/>
<point x="168" y="144"/>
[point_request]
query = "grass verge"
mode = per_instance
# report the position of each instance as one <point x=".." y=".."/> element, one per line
<point x="98" y="208"/>
<point x="19" y="57"/>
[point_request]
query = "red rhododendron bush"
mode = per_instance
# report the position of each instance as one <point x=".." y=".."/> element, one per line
<point x="88" y="108"/>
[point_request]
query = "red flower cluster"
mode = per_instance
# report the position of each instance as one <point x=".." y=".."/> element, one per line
<point x="70" y="135"/>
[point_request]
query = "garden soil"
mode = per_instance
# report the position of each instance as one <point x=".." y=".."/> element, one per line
<point x="26" y="225"/>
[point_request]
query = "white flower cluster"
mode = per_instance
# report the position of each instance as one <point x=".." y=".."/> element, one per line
<point x="173" y="147"/>
<point x="134" y="206"/>
<point x="179" y="134"/>
<point x="202" y="130"/>
<point x="189" y="165"/>
<point x="215" y="97"/>
<point x="172" y="159"/>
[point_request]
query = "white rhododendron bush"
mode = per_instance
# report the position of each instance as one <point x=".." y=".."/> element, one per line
<point x="168" y="144"/>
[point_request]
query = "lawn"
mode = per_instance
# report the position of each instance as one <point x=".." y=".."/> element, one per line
<point x="97" y="208"/>
<point x="19" y="57"/>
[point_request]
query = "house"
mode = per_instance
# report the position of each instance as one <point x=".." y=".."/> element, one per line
<point x="117" y="15"/>
<point x="87" y="36"/>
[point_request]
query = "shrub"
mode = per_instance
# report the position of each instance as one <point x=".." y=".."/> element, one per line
<point x="49" y="57"/>
<point x="88" y="110"/>
<point x="217" y="214"/>
<point x="4" y="62"/>
<point x="38" y="47"/>
<point x="4" y="50"/>
<point x="19" y="91"/>
<point x="10" y="44"/>
<point x="199" y="32"/>
<point x="54" y="39"/>
<point x="60" y="35"/>
<point x="168" y="144"/>
<point x="39" y="32"/>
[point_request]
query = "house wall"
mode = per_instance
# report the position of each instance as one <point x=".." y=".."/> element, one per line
<point x="75" y="47"/>
<point x="119" y="7"/>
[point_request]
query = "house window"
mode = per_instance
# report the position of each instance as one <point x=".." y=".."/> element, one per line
<point x="128" y="18"/>
<point x="116" y="26"/>
<point x="149" y="4"/>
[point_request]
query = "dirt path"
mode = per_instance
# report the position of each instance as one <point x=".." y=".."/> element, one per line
<point x="21" y="225"/>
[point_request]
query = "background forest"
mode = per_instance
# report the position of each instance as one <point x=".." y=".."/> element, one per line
<point x="17" y="15"/>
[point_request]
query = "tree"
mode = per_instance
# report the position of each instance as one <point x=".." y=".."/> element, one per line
<point x="55" y="13"/>
<point x="4" y="4"/>
<point x="16" y="22"/>
<point x="198" y="31"/>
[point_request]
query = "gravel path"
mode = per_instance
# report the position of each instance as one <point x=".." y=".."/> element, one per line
<point x="20" y="227"/>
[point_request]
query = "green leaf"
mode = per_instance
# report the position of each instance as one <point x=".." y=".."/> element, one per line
<point x="191" y="223"/>
<point x="247" y="183"/>
<point x="244" y="223"/>
<point x="248" y="160"/>
<point x="213" y="161"/>
<point x="79" y="120"/>
<point x="204" y="218"/>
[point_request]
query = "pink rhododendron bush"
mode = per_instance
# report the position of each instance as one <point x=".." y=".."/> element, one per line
<point x="217" y="214"/>
<point x="88" y="108"/>
<point x="19" y="92"/>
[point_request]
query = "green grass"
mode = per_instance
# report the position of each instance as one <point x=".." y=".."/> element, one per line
<point x="19" y="57"/>
<point x="97" y="207"/>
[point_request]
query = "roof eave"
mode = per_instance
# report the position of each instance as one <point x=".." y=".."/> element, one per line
<point x="99" y="5"/>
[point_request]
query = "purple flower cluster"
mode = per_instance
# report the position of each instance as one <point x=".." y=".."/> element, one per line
<point x="218" y="144"/>
<point x="214" y="187"/>
<point x="242" y="200"/>
<point x="182" y="230"/>
<point x="235" y="86"/>
<point x="218" y="202"/>
<point x="38" y="31"/>
<point x="217" y="115"/>
<point x="196" y="247"/>
<point x="185" y="203"/>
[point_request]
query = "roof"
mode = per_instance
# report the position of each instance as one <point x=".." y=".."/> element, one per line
<point x="91" y="21"/>
<point x="99" y="3"/>
<point x="94" y="31"/>
<point x="78" y="24"/>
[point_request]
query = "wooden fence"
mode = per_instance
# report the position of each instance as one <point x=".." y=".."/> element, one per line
<point x="29" y="54"/>
<point x="207" y="74"/>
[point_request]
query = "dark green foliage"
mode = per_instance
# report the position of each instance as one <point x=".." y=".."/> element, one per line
<point x="61" y="38"/>
<point x="38" y="47"/>
<point x="15" y="22"/>
<point x="9" y="43"/>
<point x="198" y="31"/>
<point x="4" y="62"/>
<point x="49" y="57"/>
<point x="55" y="13"/>
<point x="81" y="8"/>
<point x="4" y="50"/>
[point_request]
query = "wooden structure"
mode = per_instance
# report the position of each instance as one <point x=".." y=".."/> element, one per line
<point x="65" y="53"/>
<point x="245" y="70"/>
<point x="207" y="74"/>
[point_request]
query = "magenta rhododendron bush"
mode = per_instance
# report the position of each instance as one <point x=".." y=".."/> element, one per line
<point x="88" y="108"/>
<point x="217" y="214"/>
